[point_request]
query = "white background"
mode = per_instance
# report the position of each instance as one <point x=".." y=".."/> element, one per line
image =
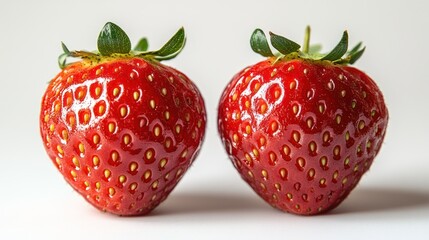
<point x="212" y="202"/>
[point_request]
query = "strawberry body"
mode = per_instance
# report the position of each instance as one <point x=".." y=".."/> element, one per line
<point x="122" y="133"/>
<point x="300" y="132"/>
<point x="121" y="127"/>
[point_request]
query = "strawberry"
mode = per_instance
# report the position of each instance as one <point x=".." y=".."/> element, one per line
<point x="121" y="127"/>
<point x="300" y="127"/>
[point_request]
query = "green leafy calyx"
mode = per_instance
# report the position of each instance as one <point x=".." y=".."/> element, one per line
<point x="288" y="49"/>
<point x="113" y="39"/>
<point x="113" y="43"/>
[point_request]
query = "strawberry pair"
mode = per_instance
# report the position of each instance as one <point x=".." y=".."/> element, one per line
<point x="300" y="127"/>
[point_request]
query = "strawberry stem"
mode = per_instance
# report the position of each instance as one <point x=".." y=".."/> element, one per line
<point x="306" y="46"/>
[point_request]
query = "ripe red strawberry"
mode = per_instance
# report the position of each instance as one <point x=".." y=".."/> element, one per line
<point x="302" y="128"/>
<point x="121" y="127"/>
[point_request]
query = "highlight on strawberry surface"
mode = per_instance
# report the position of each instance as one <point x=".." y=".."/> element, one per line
<point x="119" y="125"/>
<point x="302" y="127"/>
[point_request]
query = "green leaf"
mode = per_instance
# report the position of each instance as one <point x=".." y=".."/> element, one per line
<point x="113" y="39"/>
<point x="355" y="49"/>
<point x="172" y="47"/>
<point x="283" y="45"/>
<point x="65" y="49"/>
<point x="171" y="56"/>
<point x="62" y="60"/>
<point x="259" y="43"/>
<point x="142" y="45"/>
<point x="356" y="55"/>
<point x="338" y="50"/>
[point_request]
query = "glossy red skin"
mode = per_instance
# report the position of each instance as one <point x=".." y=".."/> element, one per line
<point x="133" y="134"/>
<point x="302" y="181"/>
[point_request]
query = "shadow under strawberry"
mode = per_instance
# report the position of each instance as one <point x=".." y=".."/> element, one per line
<point x="382" y="199"/>
<point x="210" y="202"/>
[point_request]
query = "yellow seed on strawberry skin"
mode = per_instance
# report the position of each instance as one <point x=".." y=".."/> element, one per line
<point x="255" y="152"/>
<point x="60" y="149"/>
<point x="274" y="72"/>
<point x="311" y="173"/>
<point x="111" y="127"/>
<point x="361" y="125"/>
<point x="164" y="91"/>
<point x="133" y="186"/>
<point x="115" y="92"/>
<point x="150" y="77"/>
<point x="312" y="145"/>
<point x="112" y="191"/>
<point x="274" y="126"/>
<point x="127" y="139"/>
<point x="310" y="122"/>
<point x="133" y="166"/>
<point x="264" y="174"/>
<point x="272" y="156"/>
<point x="286" y="150"/>
<point x="122" y="179"/>
<point x="86" y="117"/>
<point x="81" y="148"/>
<point x="162" y="163"/>
<point x="73" y="174"/>
<point x="184" y="153"/>
<point x="178" y="129"/>
<point x="335" y="175"/>
<point x="295" y="109"/>
<point x="107" y="173"/>
<point x="95" y="160"/>
<point x="115" y="156"/>
<point x="247" y="103"/>
<point x="337" y="150"/>
<point x="235" y="137"/>
<point x="323" y="161"/>
<point x="123" y="111"/>
<point x="65" y="134"/>
<point x="149" y="154"/>
<point x="247" y="156"/>
<point x="156" y="131"/>
<point x="155" y="184"/>
<point x="147" y="174"/>
<point x="101" y="109"/>
<point x="97" y="91"/>
<point x="338" y="119"/>
<point x="136" y="95"/>
<point x="283" y="173"/>
<point x="301" y="162"/>
<point x="248" y="129"/>
<point x="152" y="104"/>
<point x="76" y="162"/>
<point x="296" y="136"/>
